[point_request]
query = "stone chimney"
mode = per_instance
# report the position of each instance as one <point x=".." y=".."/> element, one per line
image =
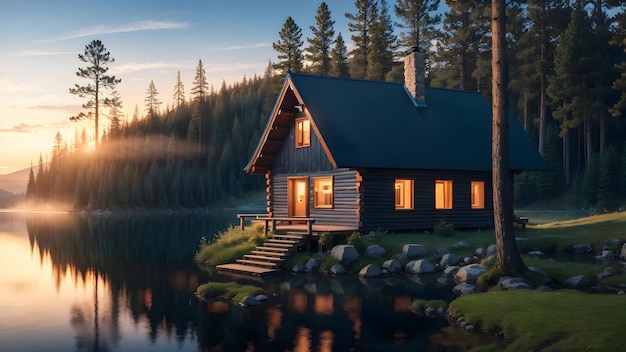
<point x="414" y="75"/>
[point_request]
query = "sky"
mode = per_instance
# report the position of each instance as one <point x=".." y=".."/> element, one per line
<point x="150" y="40"/>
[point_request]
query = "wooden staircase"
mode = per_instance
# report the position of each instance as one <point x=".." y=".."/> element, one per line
<point x="267" y="258"/>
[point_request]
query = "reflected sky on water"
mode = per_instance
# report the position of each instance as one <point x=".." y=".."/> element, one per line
<point x="70" y="283"/>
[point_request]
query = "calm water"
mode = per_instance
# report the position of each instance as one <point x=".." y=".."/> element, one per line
<point x="126" y="284"/>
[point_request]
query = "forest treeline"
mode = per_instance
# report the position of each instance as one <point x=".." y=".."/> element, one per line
<point x="567" y="86"/>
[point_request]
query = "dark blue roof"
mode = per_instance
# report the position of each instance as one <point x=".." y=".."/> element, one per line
<point x="377" y="124"/>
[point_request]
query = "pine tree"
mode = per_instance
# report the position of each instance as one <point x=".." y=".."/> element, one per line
<point x="383" y="44"/>
<point x="568" y="87"/>
<point x="339" y="59"/>
<point x="179" y="93"/>
<point x="464" y="30"/>
<point x="97" y="56"/>
<point x="289" y="47"/>
<point x="152" y="100"/>
<point x="360" y="25"/>
<point x="200" y="88"/>
<point x="420" y="19"/>
<point x="318" y="52"/>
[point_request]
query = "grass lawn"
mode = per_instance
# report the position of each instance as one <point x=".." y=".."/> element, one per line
<point x="564" y="320"/>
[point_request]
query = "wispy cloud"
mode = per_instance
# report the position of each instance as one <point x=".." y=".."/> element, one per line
<point x="45" y="53"/>
<point x="23" y="128"/>
<point x="124" y="28"/>
<point x="239" y="47"/>
<point x="137" y="66"/>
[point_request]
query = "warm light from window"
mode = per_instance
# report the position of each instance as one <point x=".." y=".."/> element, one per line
<point x="443" y="194"/>
<point x="478" y="195"/>
<point x="323" y="192"/>
<point x="404" y="194"/>
<point x="303" y="133"/>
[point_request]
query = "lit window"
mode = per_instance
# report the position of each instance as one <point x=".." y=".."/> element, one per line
<point x="478" y="195"/>
<point x="303" y="133"/>
<point x="323" y="192"/>
<point x="443" y="194"/>
<point x="404" y="194"/>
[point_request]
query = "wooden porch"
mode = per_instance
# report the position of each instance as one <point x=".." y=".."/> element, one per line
<point x="289" y="234"/>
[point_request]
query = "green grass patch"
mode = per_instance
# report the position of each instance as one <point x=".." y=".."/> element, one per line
<point x="418" y="305"/>
<point x="296" y="258"/>
<point x="564" y="320"/>
<point x="227" y="290"/>
<point x="228" y="246"/>
<point x="561" y="269"/>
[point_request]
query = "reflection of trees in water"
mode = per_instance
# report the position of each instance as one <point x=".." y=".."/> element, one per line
<point x="146" y="264"/>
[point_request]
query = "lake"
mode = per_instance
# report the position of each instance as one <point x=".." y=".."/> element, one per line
<point x="71" y="283"/>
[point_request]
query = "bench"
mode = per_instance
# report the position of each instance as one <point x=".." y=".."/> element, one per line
<point x="522" y="220"/>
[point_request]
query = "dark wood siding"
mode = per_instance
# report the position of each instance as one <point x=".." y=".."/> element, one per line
<point x="292" y="160"/>
<point x="378" y="200"/>
<point x="345" y="208"/>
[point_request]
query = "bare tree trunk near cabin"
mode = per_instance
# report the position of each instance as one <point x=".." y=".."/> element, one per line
<point x="508" y="259"/>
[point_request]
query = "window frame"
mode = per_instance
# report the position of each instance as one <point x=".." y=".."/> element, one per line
<point x="480" y="203"/>
<point x="448" y="194"/>
<point x="402" y="195"/>
<point x="302" y="135"/>
<point x="317" y="192"/>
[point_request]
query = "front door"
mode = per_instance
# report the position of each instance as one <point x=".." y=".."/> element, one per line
<point x="299" y="197"/>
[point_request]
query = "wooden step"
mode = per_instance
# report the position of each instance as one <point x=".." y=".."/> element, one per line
<point x="281" y="250"/>
<point x="262" y="257"/>
<point x="290" y="242"/>
<point x="246" y="269"/>
<point x="258" y="263"/>
<point x="287" y="246"/>
<point x="288" y="237"/>
<point x="270" y="254"/>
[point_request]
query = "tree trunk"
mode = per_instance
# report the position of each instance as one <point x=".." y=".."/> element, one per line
<point x="508" y="259"/>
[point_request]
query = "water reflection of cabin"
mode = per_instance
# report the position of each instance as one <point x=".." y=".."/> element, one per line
<point x="367" y="155"/>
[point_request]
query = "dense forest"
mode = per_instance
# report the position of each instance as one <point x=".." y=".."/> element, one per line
<point x="567" y="86"/>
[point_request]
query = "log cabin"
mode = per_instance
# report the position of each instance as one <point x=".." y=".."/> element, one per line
<point x="372" y="155"/>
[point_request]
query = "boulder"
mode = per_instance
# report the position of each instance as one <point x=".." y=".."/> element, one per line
<point x="419" y="267"/>
<point x="469" y="273"/>
<point x="345" y="253"/>
<point x="469" y="260"/>
<point x="298" y="268"/>
<point x="543" y="288"/>
<point x="581" y="248"/>
<point x="261" y="298"/>
<point x="449" y="259"/>
<point x="370" y="270"/>
<point x="414" y="250"/>
<point x="535" y="253"/>
<point x="606" y="254"/>
<point x="392" y="266"/>
<point x="480" y="252"/>
<point x="451" y="270"/>
<point x="464" y="289"/>
<point x="462" y="245"/>
<point x="312" y="265"/>
<point x="613" y="242"/>
<point x="249" y="301"/>
<point x="491" y="249"/>
<point x="374" y="251"/>
<point x="439" y="253"/>
<point x="546" y="277"/>
<point x="400" y="257"/>
<point x="577" y="281"/>
<point x="337" y="269"/>
<point x="514" y="283"/>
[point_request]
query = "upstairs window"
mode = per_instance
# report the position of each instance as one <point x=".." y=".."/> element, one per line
<point x="323" y="193"/>
<point x="404" y="194"/>
<point x="443" y="194"/>
<point x="478" y="194"/>
<point x="303" y="133"/>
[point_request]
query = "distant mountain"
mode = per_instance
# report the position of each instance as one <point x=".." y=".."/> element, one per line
<point x="15" y="182"/>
